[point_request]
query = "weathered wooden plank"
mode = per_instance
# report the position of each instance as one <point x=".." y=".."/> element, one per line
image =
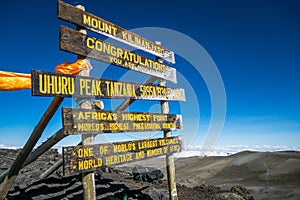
<point x="77" y="159"/>
<point x="81" y="44"/>
<point x="54" y="84"/>
<point x="71" y="14"/>
<point x="87" y="121"/>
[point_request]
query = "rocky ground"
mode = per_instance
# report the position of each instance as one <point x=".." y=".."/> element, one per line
<point x="193" y="175"/>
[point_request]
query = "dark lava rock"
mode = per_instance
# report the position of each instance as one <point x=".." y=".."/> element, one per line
<point x="242" y="191"/>
<point x="208" y="188"/>
<point x="147" y="174"/>
<point x="227" y="196"/>
<point x="157" y="194"/>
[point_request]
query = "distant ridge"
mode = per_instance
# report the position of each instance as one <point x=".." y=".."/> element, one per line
<point x="201" y="151"/>
<point x="191" y="151"/>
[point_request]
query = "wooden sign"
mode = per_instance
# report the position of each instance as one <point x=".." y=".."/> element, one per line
<point x="77" y="159"/>
<point x="87" y="121"/>
<point x="54" y="84"/>
<point x="74" y="15"/>
<point x="75" y="42"/>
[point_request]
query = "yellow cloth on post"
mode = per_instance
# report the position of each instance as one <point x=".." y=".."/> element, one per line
<point x="17" y="81"/>
<point x="73" y="68"/>
<point x="14" y="81"/>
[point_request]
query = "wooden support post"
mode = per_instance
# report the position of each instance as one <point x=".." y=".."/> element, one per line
<point x="51" y="169"/>
<point x="169" y="158"/>
<point x="35" y="135"/>
<point x="56" y="137"/>
<point x="88" y="178"/>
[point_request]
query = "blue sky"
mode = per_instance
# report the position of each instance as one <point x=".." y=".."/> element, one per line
<point x="254" y="45"/>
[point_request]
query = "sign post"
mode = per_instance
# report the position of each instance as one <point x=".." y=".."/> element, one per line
<point x="86" y="121"/>
<point x="88" y="179"/>
<point x="169" y="158"/>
